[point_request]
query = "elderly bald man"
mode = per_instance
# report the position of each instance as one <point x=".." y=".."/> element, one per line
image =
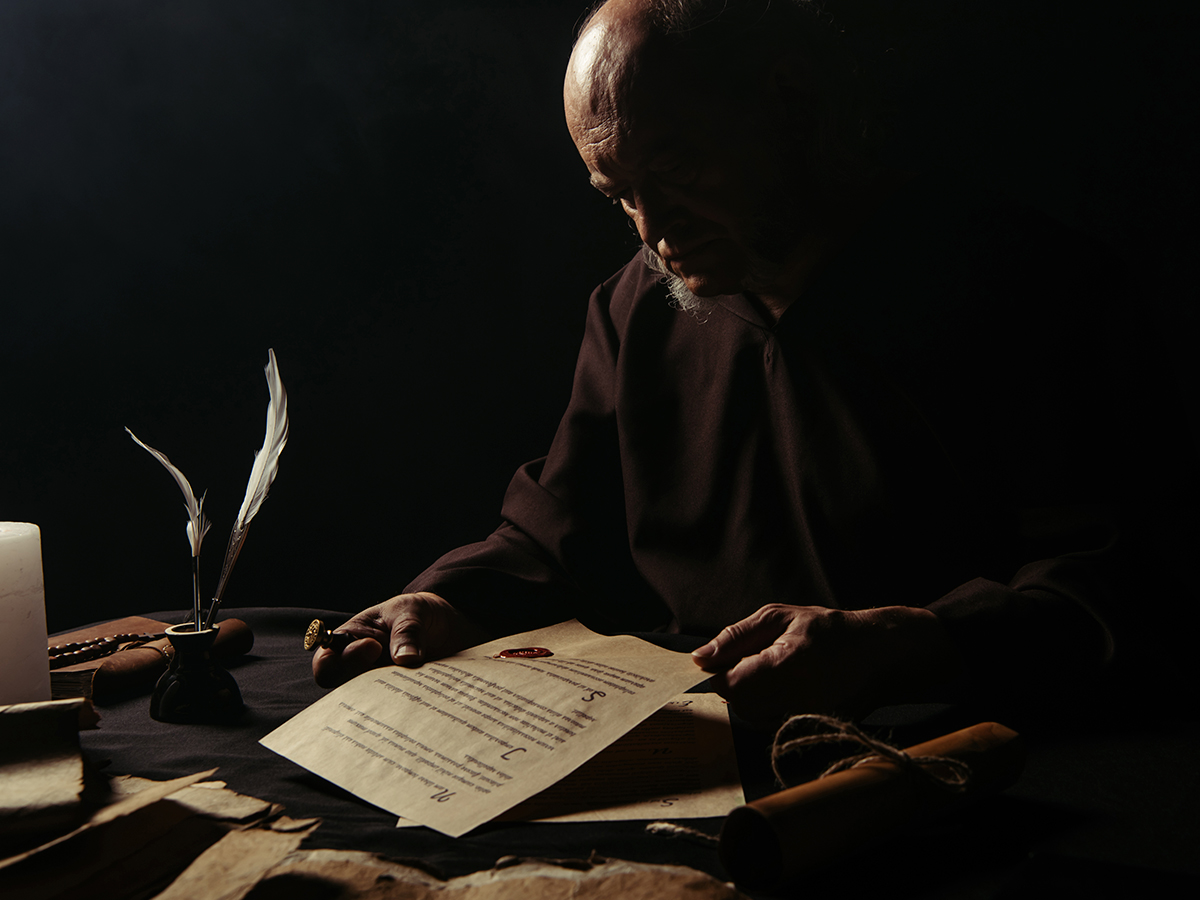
<point x="810" y="421"/>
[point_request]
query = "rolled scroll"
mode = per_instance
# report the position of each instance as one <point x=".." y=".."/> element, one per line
<point x="777" y="838"/>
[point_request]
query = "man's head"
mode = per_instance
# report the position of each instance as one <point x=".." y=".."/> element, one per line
<point x="709" y="122"/>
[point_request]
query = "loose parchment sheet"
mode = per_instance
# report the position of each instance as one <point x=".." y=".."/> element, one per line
<point x="456" y="742"/>
<point x="678" y="764"/>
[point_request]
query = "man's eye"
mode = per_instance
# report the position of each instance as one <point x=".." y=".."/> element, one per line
<point x="678" y="171"/>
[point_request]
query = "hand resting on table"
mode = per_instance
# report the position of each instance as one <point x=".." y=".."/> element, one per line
<point x="786" y="660"/>
<point x="414" y="628"/>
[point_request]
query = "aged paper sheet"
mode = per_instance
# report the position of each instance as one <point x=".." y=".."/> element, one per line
<point x="41" y="767"/>
<point x="677" y="764"/>
<point x="456" y="742"/>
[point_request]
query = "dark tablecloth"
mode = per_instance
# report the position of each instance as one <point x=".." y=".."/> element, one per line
<point x="1105" y="808"/>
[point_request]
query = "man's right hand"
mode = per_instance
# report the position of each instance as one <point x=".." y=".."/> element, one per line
<point x="413" y="627"/>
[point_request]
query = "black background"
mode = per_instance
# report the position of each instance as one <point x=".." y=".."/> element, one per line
<point x="383" y="191"/>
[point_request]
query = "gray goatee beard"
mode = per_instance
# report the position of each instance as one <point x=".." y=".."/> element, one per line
<point x="681" y="297"/>
<point x="760" y="274"/>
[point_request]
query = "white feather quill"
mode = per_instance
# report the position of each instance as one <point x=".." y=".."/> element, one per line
<point x="198" y="524"/>
<point x="266" y="460"/>
<point x="262" y="474"/>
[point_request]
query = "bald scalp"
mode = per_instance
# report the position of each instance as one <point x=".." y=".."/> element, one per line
<point x="618" y="50"/>
<point x="730" y="37"/>
<point x="713" y="53"/>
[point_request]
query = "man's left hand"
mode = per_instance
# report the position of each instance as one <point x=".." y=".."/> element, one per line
<point x="786" y="660"/>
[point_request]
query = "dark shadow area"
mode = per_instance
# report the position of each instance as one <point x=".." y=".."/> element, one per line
<point x="295" y="887"/>
<point x="383" y="191"/>
<point x="1047" y="875"/>
<point x="932" y="859"/>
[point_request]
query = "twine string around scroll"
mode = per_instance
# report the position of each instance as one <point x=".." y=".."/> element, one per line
<point x="954" y="777"/>
<point x="954" y="774"/>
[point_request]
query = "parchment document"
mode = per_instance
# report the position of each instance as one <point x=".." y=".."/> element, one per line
<point x="677" y="764"/>
<point x="456" y="742"/>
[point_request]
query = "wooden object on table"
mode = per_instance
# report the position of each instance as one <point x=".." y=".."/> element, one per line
<point x="135" y="669"/>
<point x="773" y="840"/>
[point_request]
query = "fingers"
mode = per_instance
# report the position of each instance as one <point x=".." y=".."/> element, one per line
<point x="751" y="635"/>
<point x="332" y="667"/>
<point x="425" y="626"/>
<point x="406" y="640"/>
<point x="412" y="627"/>
<point x="777" y="661"/>
<point x="393" y="624"/>
<point x="762" y="687"/>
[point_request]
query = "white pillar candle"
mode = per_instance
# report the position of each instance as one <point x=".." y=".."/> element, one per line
<point x="24" y="665"/>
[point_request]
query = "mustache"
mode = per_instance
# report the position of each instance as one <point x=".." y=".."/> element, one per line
<point x="762" y="272"/>
<point x="681" y="298"/>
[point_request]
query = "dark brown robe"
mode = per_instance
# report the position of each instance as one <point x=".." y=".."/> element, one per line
<point x="930" y="424"/>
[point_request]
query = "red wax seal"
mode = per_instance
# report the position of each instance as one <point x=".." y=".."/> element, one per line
<point x="523" y="653"/>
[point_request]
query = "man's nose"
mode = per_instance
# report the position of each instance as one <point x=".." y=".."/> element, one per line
<point x="653" y="213"/>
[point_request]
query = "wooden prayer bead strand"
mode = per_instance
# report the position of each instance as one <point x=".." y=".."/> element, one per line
<point x="69" y="654"/>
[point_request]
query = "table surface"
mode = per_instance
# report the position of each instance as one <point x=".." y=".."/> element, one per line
<point x="1106" y="805"/>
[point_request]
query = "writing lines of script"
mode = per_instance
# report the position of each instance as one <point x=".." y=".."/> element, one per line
<point x="596" y="676"/>
<point x="404" y="753"/>
<point x="488" y="709"/>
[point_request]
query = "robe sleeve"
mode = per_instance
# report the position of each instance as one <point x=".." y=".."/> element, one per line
<point x="1052" y="625"/>
<point x="1082" y="457"/>
<point x="562" y="549"/>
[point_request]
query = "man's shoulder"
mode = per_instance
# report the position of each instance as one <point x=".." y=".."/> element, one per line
<point x="951" y="248"/>
<point x="634" y="279"/>
<point x="959" y="221"/>
<point x="630" y="288"/>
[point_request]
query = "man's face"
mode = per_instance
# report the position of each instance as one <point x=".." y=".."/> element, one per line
<point x="710" y="184"/>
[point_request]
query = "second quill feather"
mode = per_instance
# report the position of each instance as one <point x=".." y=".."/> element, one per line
<point x="262" y="474"/>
